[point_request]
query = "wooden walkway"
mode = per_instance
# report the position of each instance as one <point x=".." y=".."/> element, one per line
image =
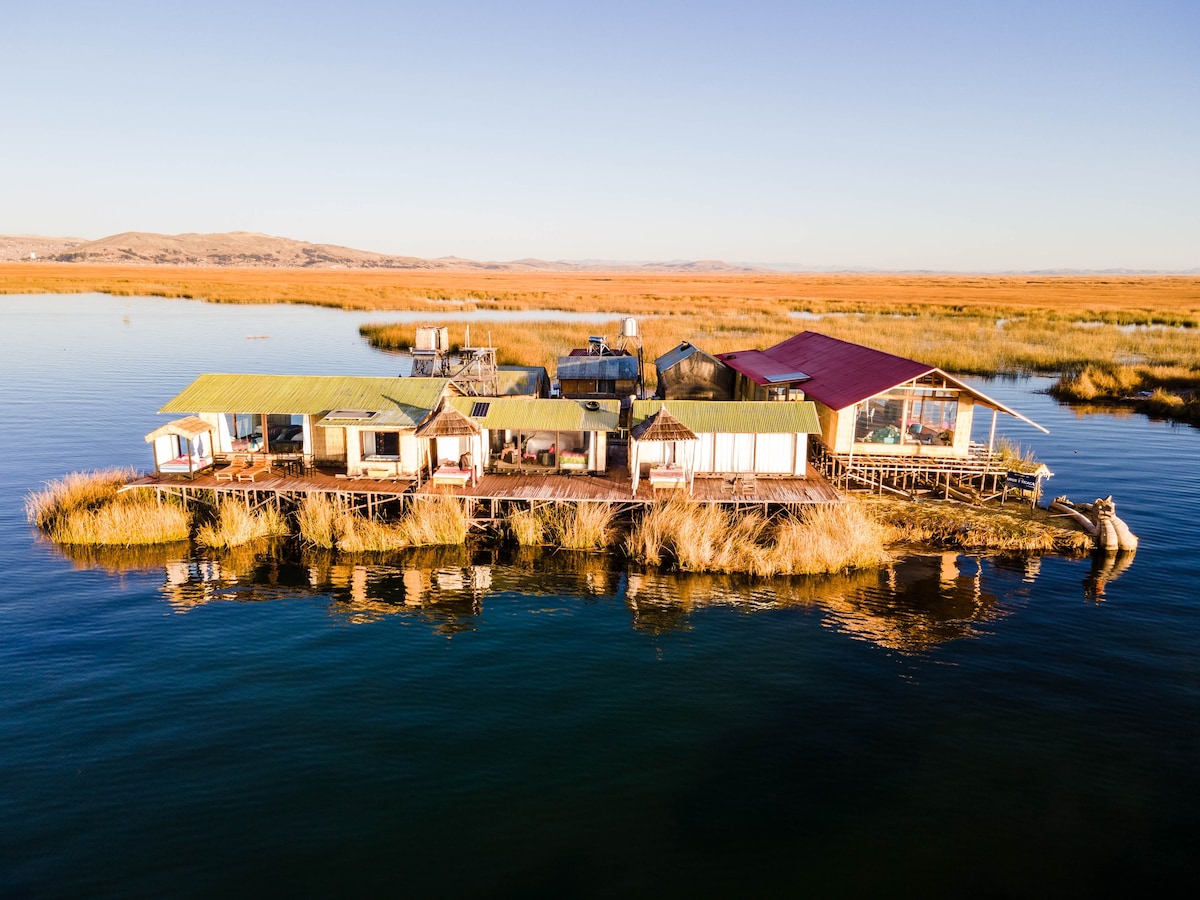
<point x="610" y="487"/>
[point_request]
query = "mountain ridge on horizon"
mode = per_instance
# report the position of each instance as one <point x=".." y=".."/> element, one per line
<point x="247" y="249"/>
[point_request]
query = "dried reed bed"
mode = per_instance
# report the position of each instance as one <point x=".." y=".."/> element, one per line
<point x="89" y="508"/>
<point x="436" y="520"/>
<point x="621" y="292"/>
<point x="711" y="538"/>
<point x="1013" y="528"/>
<point x="237" y="525"/>
<point x="323" y="523"/>
<point x="984" y="324"/>
<point x="568" y="526"/>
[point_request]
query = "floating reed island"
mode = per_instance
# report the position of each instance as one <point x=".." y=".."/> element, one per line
<point x="739" y="461"/>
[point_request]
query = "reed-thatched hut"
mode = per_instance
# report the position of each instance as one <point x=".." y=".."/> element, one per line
<point x="182" y="446"/>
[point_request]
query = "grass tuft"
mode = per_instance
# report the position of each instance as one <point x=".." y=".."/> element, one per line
<point x="236" y="525"/>
<point x="440" y="520"/>
<point x="710" y="538"/>
<point x="89" y="508"/>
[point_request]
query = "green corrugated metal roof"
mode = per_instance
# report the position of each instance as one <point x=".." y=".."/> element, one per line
<point x="736" y="416"/>
<point x="397" y="401"/>
<point x="535" y="414"/>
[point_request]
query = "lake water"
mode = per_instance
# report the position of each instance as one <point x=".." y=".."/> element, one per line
<point x="492" y="723"/>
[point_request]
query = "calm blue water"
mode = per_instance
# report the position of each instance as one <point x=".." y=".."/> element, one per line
<point x="453" y="724"/>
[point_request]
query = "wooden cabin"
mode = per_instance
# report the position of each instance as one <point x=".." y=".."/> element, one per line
<point x="357" y="425"/>
<point x="523" y="434"/>
<point x="868" y="401"/>
<point x="688" y="373"/>
<point x="677" y="440"/>
<point x="611" y="375"/>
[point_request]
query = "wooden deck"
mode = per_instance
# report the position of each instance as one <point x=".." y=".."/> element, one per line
<point x="610" y="487"/>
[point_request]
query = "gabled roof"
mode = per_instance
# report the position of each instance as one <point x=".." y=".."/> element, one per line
<point x="841" y="373"/>
<point x="617" y="368"/>
<point x="537" y="414"/>
<point x="678" y="354"/>
<point x="735" y="416"/>
<point x="396" y="402"/>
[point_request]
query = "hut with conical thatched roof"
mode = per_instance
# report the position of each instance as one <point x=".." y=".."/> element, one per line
<point x="676" y="446"/>
<point x="454" y="440"/>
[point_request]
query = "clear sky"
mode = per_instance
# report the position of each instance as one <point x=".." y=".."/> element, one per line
<point x="903" y="135"/>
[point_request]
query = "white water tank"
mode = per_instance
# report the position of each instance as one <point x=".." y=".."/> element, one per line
<point x="629" y="327"/>
<point x="433" y="337"/>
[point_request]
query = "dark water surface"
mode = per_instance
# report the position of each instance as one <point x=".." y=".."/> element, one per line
<point x="492" y="724"/>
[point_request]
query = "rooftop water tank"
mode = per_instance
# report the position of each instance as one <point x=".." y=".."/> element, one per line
<point x="433" y="337"/>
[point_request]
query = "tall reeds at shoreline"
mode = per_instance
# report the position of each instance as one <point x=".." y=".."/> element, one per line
<point x="711" y="538"/>
<point x="568" y="526"/>
<point x="436" y="521"/>
<point x="90" y="508"/>
<point x="236" y="525"/>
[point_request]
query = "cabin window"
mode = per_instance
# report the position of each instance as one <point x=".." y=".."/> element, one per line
<point x="784" y="392"/>
<point x="908" y="416"/>
<point x="245" y="431"/>
<point x="606" y="386"/>
<point x="285" y="433"/>
<point x="381" y="443"/>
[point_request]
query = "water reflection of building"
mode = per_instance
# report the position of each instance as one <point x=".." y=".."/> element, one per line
<point x="916" y="603"/>
<point x="910" y="606"/>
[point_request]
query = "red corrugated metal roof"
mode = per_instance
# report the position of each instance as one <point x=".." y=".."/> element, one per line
<point x="840" y="373"/>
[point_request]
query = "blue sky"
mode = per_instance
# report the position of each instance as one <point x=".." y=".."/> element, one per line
<point x="956" y="136"/>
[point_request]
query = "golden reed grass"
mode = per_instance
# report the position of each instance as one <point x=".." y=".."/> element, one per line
<point x="88" y="508"/>
<point x="710" y="538"/>
<point x="1129" y="297"/>
<point x="237" y="525"/>
<point x="428" y="522"/>
<point x="568" y="526"/>
<point x="969" y="324"/>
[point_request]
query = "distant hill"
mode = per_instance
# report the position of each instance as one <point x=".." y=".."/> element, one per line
<point x="248" y="249"/>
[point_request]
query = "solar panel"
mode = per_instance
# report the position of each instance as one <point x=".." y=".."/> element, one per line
<point x="786" y="376"/>
<point x="351" y="414"/>
<point x="480" y="409"/>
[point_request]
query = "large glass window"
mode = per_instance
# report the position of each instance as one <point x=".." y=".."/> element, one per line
<point x="245" y="431"/>
<point x="908" y="416"/>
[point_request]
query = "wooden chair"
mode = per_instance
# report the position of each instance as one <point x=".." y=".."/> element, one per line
<point x="255" y="468"/>
<point x="748" y="483"/>
<point x="236" y="463"/>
